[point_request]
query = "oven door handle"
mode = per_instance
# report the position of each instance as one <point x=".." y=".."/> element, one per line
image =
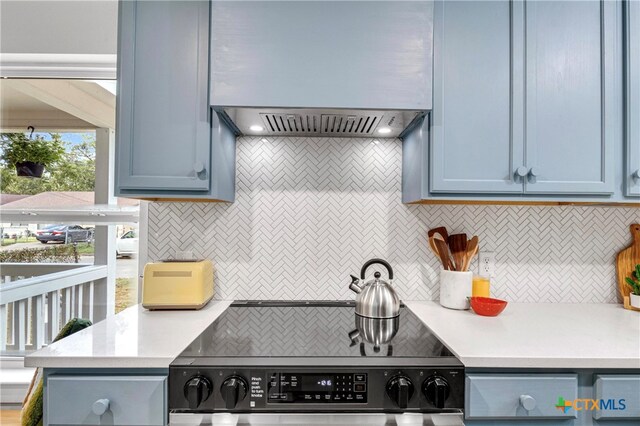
<point x="317" y="419"/>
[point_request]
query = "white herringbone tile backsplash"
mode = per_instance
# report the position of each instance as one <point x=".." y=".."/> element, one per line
<point x="311" y="211"/>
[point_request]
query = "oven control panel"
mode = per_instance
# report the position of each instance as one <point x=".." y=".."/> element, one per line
<point x="210" y="389"/>
<point x="316" y="388"/>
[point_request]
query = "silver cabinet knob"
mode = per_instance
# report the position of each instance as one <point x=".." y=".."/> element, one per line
<point x="198" y="167"/>
<point x="636" y="175"/>
<point x="522" y="171"/>
<point x="534" y="172"/>
<point x="100" y="406"/>
<point x="528" y="402"/>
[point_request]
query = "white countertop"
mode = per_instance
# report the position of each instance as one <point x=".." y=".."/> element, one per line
<point x="538" y="335"/>
<point x="525" y="335"/>
<point x="134" y="338"/>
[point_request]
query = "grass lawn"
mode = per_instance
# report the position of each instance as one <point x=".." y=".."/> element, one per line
<point x="86" y="249"/>
<point x="126" y="293"/>
<point x="9" y="241"/>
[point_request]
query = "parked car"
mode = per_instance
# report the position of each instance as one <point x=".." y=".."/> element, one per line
<point x="63" y="233"/>
<point x="127" y="244"/>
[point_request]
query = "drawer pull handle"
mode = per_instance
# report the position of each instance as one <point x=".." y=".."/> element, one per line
<point x="100" y="406"/>
<point x="528" y="402"/>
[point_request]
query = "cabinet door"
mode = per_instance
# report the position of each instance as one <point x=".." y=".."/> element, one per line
<point x="570" y="96"/>
<point x="501" y="396"/>
<point x="632" y="56"/>
<point x="125" y="400"/>
<point x="620" y="393"/>
<point x="477" y="139"/>
<point x="163" y="135"/>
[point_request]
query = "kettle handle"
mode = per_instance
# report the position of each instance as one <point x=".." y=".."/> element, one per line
<point x="374" y="261"/>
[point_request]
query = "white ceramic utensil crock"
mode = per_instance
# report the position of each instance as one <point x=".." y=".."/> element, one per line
<point x="455" y="289"/>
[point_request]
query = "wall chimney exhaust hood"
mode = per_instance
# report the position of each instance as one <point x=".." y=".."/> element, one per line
<point x="315" y="68"/>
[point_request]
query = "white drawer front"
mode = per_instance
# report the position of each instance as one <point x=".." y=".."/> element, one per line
<point x="517" y="396"/>
<point x="620" y="395"/>
<point x="132" y="400"/>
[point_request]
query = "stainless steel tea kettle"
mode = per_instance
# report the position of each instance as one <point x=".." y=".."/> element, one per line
<point x="375" y="298"/>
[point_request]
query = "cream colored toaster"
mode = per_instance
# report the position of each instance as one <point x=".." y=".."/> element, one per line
<point x="177" y="284"/>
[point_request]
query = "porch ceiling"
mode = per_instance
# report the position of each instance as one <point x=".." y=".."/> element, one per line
<point x="55" y="105"/>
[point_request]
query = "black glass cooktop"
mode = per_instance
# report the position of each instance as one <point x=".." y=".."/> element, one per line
<point x="312" y="330"/>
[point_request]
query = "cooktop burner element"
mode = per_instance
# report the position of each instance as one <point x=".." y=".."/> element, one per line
<point x="319" y="356"/>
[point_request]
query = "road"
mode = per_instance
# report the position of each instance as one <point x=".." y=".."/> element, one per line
<point x="125" y="267"/>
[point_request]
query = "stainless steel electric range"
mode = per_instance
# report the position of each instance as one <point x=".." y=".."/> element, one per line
<point x="313" y="358"/>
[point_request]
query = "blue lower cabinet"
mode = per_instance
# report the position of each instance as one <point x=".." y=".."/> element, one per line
<point x="125" y="400"/>
<point x="519" y="396"/>
<point x="617" y="396"/>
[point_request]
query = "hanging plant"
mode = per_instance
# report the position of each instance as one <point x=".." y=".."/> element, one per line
<point x="30" y="156"/>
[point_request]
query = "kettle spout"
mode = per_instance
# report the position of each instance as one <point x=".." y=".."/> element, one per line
<point x="354" y="336"/>
<point x="354" y="286"/>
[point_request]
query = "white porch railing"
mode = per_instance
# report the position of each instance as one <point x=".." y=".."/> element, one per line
<point x="37" y="299"/>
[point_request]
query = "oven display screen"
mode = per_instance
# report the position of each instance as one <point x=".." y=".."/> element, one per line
<point x="317" y="383"/>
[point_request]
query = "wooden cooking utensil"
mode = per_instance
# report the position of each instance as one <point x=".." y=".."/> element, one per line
<point x="433" y="247"/>
<point x="472" y="250"/>
<point x="458" y="247"/>
<point x="443" y="251"/>
<point x="627" y="260"/>
<point x="439" y="230"/>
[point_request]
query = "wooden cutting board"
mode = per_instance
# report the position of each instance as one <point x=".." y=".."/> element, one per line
<point x="627" y="260"/>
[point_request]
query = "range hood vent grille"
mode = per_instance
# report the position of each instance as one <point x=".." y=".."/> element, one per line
<point x="321" y="124"/>
<point x="291" y="124"/>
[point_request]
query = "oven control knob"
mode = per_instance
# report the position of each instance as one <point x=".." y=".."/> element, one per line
<point x="197" y="390"/>
<point x="436" y="390"/>
<point x="400" y="390"/>
<point x="234" y="390"/>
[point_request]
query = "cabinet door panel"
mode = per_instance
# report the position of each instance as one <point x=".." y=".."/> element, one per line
<point x="632" y="55"/>
<point x="131" y="400"/>
<point x="570" y="79"/>
<point x="163" y="113"/>
<point x="476" y="143"/>
<point x="616" y="389"/>
<point x="499" y="396"/>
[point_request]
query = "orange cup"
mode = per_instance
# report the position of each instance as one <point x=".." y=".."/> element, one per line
<point x="480" y="287"/>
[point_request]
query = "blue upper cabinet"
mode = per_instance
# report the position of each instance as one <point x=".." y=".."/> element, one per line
<point x="527" y="104"/>
<point x="319" y="54"/>
<point x="477" y="93"/>
<point x="571" y="97"/>
<point x="632" y="74"/>
<point x="169" y="145"/>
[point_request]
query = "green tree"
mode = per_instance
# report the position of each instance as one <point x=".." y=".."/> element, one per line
<point x="76" y="171"/>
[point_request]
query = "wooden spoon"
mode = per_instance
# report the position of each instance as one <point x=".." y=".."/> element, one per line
<point x="433" y="247"/>
<point x="472" y="250"/>
<point x="439" y="230"/>
<point x="443" y="251"/>
<point x="458" y="247"/>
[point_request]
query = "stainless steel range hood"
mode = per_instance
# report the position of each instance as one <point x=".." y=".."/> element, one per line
<point x="319" y="68"/>
<point x="320" y="122"/>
